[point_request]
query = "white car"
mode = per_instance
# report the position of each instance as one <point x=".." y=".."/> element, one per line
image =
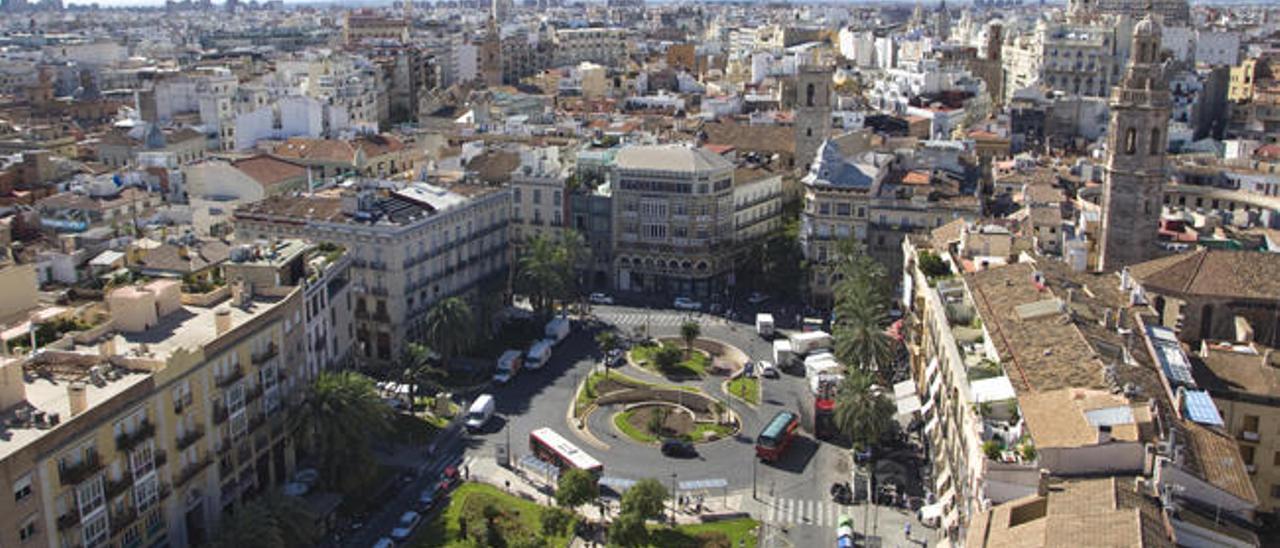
<point x="685" y="303"/>
<point x="767" y="369"/>
<point x="408" y="522"/>
<point x="600" y="298"/>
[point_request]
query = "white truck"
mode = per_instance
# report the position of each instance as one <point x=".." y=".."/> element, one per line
<point x="557" y="329"/>
<point x="508" y="365"/>
<point x="782" y="353"/>
<point x="538" y="354"/>
<point x="764" y="325"/>
<point x="802" y="344"/>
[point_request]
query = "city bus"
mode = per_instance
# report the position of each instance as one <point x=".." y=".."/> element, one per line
<point x="551" y="447"/>
<point x="776" y="436"/>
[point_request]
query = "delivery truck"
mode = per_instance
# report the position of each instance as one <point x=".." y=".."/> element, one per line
<point x="764" y="325"/>
<point x="802" y="344"/>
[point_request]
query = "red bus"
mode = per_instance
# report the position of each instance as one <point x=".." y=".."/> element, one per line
<point x="776" y="436"/>
<point x="551" y="447"/>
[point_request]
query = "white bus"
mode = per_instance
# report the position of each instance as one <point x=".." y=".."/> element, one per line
<point x="551" y="447"/>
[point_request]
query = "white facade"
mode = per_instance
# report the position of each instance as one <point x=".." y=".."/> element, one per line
<point x="1217" y="48"/>
<point x="858" y="47"/>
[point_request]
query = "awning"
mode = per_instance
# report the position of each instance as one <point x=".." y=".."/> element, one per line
<point x="904" y="395"/>
<point x="935" y="386"/>
<point x="931" y="425"/>
<point x="931" y="369"/>
<point x="942" y="482"/>
<point x="928" y="405"/>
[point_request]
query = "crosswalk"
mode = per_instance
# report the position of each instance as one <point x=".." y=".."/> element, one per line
<point x="654" y="319"/>
<point x="786" y="511"/>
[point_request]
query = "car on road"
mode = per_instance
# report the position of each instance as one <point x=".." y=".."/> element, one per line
<point x="678" y="448"/>
<point x="615" y="358"/>
<point x="757" y="298"/>
<point x="427" y="498"/>
<point x="405" y="527"/>
<point x="384" y="542"/>
<point x="685" y="303"/>
<point x="767" y="369"/>
<point x="600" y="298"/>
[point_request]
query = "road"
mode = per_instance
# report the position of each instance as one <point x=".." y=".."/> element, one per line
<point x="791" y="496"/>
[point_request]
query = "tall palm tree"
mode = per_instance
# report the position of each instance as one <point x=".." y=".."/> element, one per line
<point x="271" y="521"/>
<point x="449" y="328"/>
<point x="343" y="416"/>
<point x="540" y="272"/>
<point x="861" y="313"/>
<point x="862" y="412"/>
<point x="419" y="371"/>
<point x="689" y="331"/>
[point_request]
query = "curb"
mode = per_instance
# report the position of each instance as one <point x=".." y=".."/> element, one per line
<point x="583" y="432"/>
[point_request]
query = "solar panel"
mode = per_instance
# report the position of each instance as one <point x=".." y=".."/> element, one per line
<point x="1109" y="416"/>
<point x="1200" y="408"/>
<point x="1173" y="361"/>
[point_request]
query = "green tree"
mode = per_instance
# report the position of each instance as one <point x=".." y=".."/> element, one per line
<point x="862" y="413"/>
<point x="608" y="342"/>
<point x="645" y="499"/>
<point x="575" y="488"/>
<point x="861" y="313"/>
<point x="342" y="417"/>
<point x="449" y="328"/>
<point x="932" y="265"/>
<point x="667" y="357"/>
<point x="544" y="272"/>
<point x="689" y="331"/>
<point x="555" y="521"/>
<point x="629" y="530"/>
<point x="271" y="521"/>
<point x="419" y="371"/>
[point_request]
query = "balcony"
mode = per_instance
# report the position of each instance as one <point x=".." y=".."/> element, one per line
<point x="192" y="436"/>
<point x="69" y="519"/>
<point x="74" y="474"/>
<point x="128" y="440"/>
<point x="1249" y="435"/>
<point x="219" y="413"/>
<point x="256" y="420"/>
<point x="234" y="375"/>
<point x="160" y="458"/>
<point x="252" y="393"/>
<point x="121" y="521"/>
<point x="192" y="470"/>
<point x="265" y="354"/>
<point x="116" y="488"/>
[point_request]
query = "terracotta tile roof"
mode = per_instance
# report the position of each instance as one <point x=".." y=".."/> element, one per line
<point x="1213" y="272"/>
<point x="915" y="177"/>
<point x="169" y="257"/>
<point x="769" y="139"/>
<point x="316" y="149"/>
<point x="1222" y="370"/>
<point x="1217" y="459"/>
<point x="1099" y="512"/>
<point x="270" y="171"/>
<point x="494" y="166"/>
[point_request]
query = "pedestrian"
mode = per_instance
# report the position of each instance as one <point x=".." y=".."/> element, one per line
<point x="466" y="472"/>
<point x="906" y="530"/>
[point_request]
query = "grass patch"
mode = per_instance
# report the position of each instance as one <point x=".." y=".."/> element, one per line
<point x="589" y="392"/>
<point x="694" y="366"/>
<point x="708" y="431"/>
<point x="623" y="422"/>
<point x="746" y="389"/>
<point x="513" y="519"/>
<point x="431" y="413"/>
<point x="719" y="534"/>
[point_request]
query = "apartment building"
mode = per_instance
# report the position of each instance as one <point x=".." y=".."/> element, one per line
<point x="411" y="245"/>
<point x="757" y="203"/>
<point x="538" y="202"/>
<point x="145" y="428"/>
<point x="603" y="46"/>
<point x="673" y="220"/>
<point x="1079" y="58"/>
<point x="1032" y="370"/>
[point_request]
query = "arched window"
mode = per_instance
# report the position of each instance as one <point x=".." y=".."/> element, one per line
<point x="1155" y="140"/>
<point x="1130" y="141"/>
<point x="809" y="91"/>
<point x="808" y="132"/>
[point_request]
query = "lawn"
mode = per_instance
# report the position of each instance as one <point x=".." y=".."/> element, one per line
<point x="589" y="392"/>
<point x="746" y="389"/>
<point x="623" y="422"/>
<point x="514" y="517"/>
<point x="694" y="366"/>
<point x="718" y="534"/>
<point x="634" y="428"/>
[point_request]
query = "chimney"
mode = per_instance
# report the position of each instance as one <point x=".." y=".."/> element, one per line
<point x="222" y="320"/>
<point x="1042" y="484"/>
<point x="107" y="348"/>
<point x="241" y="292"/>
<point x="1104" y="434"/>
<point x="79" y="396"/>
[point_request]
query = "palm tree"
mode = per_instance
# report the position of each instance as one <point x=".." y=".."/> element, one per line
<point x="689" y="331"/>
<point x="449" y="328"/>
<point x="861" y="312"/>
<point x="272" y="521"/>
<point x="343" y="417"/>
<point x="541" y="272"/>
<point x="862" y="412"/>
<point x="608" y="341"/>
<point x="419" y="371"/>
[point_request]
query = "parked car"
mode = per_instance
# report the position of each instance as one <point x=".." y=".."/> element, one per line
<point x="405" y="527"/>
<point x="615" y="358"/>
<point x="601" y="298"/>
<point x="685" y="303"/>
<point x="757" y="298"/>
<point x="767" y="369"/>
<point x="678" y="448"/>
<point x="427" y="498"/>
<point x="384" y="542"/>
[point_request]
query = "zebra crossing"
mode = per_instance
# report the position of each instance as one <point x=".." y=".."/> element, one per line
<point x="787" y="511"/>
<point x="653" y="319"/>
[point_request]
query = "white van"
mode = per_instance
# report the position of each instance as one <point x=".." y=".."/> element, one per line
<point x="508" y="365"/>
<point x="480" y="412"/>
<point x="557" y="329"/>
<point x="764" y="325"/>
<point x="538" y="354"/>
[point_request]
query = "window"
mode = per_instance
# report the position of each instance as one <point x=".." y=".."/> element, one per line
<point x="1246" y="454"/>
<point x="1275" y="459"/>
<point x="95" y="530"/>
<point x="1275" y="490"/>
<point x="1130" y="141"/>
<point x="28" y="529"/>
<point x="537" y="196"/>
<point x="1251" y="423"/>
<point x="89" y="496"/>
<point x="843" y="210"/>
<point x="1155" y="140"/>
<point x="22" y="487"/>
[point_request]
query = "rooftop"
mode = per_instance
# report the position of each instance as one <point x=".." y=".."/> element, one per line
<point x="1088" y="512"/>
<point x="676" y="158"/>
<point x="1213" y="273"/>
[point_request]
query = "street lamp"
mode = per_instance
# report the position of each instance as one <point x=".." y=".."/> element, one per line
<point x="673" y="499"/>
<point x="755" y="465"/>
<point x="506" y="425"/>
